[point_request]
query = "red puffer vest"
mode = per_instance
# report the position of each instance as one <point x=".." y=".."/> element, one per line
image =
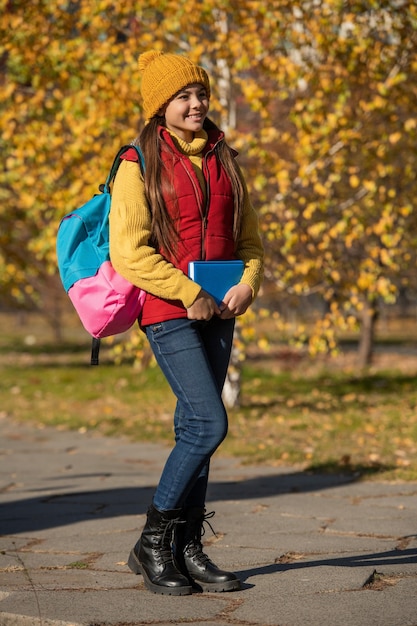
<point x="205" y="225"/>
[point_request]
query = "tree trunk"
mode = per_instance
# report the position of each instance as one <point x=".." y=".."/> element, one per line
<point x="232" y="385"/>
<point x="224" y="80"/>
<point x="367" y="334"/>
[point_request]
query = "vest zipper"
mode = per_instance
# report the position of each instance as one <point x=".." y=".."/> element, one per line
<point x="202" y="210"/>
<point x="206" y="175"/>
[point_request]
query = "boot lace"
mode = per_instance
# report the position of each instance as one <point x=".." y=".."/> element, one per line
<point x="205" y="520"/>
<point x="194" y="546"/>
<point x="165" y="548"/>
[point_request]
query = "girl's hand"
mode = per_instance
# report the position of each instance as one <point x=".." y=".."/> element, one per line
<point x="236" y="301"/>
<point x="203" y="308"/>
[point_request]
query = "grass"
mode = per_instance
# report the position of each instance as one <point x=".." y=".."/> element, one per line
<point x="318" y="416"/>
<point x="332" y="421"/>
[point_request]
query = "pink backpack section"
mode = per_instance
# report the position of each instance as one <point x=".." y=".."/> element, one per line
<point x="107" y="303"/>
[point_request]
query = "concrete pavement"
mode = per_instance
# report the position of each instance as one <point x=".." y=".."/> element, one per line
<point x="319" y="550"/>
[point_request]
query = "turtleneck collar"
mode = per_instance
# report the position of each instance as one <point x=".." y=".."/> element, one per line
<point x="196" y="146"/>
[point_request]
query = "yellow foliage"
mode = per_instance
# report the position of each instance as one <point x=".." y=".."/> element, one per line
<point x="316" y="229"/>
<point x="325" y="130"/>
<point x="365" y="281"/>
<point x="410" y="124"/>
<point x="320" y="189"/>
<point x="354" y="181"/>
<point x="394" y="137"/>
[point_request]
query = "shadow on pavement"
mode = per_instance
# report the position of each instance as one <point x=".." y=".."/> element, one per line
<point x="374" y="560"/>
<point x="67" y="507"/>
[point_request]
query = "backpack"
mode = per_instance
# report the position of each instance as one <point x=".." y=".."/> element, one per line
<point x="106" y="303"/>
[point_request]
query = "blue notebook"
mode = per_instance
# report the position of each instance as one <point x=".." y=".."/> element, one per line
<point x="216" y="277"/>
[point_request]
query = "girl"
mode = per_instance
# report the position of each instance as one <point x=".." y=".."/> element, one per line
<point x="190" y="204"/>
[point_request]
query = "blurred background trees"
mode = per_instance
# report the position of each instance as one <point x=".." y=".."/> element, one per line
<point x="319" y="98"/>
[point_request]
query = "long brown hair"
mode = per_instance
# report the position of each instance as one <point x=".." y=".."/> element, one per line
<point x="164" y="234"/>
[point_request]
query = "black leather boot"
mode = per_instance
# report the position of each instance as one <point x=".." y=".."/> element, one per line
<point x="153" y="558"/>
<point x="203" y="574"/>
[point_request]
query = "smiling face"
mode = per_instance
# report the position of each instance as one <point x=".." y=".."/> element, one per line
<point x="186" y="112"/>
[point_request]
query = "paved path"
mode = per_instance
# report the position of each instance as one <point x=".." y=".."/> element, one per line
<point x="309" y="549"/>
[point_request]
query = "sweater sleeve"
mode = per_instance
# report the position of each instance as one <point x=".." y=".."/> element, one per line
<point x="130" y="253"/>
<point x="249" y="247"/>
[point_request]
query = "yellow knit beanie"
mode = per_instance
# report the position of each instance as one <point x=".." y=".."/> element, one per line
<point x="163" y="75"/>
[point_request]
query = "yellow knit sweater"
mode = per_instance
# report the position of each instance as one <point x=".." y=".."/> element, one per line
<point x="130" y="230"/>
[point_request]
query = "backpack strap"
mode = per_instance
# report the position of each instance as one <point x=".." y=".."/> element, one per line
<point x="130" y="150"/>
<point x="95" y="350"/>
<point x="130" y="153"/>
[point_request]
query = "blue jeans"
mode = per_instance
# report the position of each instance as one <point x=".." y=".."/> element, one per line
<point x="194" y="357"/>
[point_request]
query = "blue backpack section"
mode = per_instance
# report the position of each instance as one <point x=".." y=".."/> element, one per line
<point x="83" y="243"/>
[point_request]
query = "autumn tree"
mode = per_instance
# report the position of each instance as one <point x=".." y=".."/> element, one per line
<point x="69" y="98"/>
<point x="342" y="222"/>
<point x="318" y="97"/>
